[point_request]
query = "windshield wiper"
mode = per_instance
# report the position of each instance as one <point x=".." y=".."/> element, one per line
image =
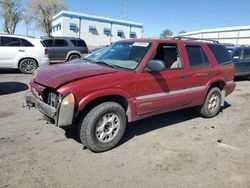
<point x="105" y="63"/>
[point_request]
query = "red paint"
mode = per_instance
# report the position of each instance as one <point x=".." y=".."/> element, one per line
<point x="90" y="81"/>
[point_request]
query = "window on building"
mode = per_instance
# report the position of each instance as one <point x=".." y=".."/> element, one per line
<point x="220" y="52"/>
<point x="120" y="33"/>
<point x="196" y="56"/>
<point x="72" y="26"/>
<point x="10" y="41"/>
<point x="93" y="30"/>
<point x="133" y="35"/>
<point x="107" y="31"/>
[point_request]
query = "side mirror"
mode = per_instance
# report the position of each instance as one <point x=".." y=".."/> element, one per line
<point x="155" y="66"/>
<point x="236" y="57"/>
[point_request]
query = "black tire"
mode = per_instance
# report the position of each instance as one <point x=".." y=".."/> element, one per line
<point x="28" y="66"/>
<point x="73" y="56"/>
<point x="91" y="134"/>
<point x="212" y="104"/>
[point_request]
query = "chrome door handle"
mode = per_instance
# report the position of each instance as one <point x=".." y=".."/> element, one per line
<point x="21" y="50"/>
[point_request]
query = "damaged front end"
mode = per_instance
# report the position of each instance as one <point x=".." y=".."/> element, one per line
<point x="55" y="106"/>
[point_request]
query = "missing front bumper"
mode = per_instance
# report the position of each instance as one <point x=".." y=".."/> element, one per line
<point x="63" y="115"/>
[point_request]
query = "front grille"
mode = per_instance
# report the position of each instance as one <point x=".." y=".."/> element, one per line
<point x="53" y="99"/>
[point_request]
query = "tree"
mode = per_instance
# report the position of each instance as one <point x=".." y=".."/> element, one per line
<point x="166" y="33"/>
<point x="42" y="12"/>
<point x="12" y="14"/>
<point x="181" y="32"/>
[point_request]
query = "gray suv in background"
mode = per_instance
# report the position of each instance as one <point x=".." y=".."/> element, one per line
<point x="63" y="49"/>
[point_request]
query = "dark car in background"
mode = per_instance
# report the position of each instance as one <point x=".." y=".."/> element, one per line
<point x="241" y="59"/>
<point x="63" y="49"/>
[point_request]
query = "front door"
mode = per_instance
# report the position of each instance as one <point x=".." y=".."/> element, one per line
<point x="162" y="91"/>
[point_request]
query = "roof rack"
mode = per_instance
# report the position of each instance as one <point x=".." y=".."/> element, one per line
<point x="190" y="38"/>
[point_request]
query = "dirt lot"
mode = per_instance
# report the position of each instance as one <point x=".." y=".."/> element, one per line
<point x="177" y="149"/>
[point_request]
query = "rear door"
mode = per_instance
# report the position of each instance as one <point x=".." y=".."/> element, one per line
<point x="200" y="71"/>
<point x="49" y="44"/>
<point x="10" y="50"/>
<point x="61" y="49"/>
<point x="163" y="91"/>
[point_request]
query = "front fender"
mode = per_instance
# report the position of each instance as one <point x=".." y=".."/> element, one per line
<point x="109" y="92"/>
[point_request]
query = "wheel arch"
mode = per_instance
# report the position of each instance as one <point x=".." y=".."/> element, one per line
<point x="72" y="53"/>
<point x="21" y="59"/>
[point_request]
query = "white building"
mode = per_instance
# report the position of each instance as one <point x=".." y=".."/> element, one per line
<point x="95" y="30"/>
<point x="236" y="35"/>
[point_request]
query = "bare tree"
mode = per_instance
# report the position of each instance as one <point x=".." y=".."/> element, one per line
<point x="12" y="14"/>
<point x="166" y="33"/>
<point x="42" y="12"/>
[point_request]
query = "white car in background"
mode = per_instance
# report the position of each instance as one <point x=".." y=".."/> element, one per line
<point x="24" y="53"/>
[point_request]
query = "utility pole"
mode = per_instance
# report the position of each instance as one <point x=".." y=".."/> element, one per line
<point x="125" y="9"/>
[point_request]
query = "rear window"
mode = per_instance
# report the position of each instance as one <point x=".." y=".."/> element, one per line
<point x="79" y="43"/>
<point x="220" y="53"/>
<point x="10" y="41"/>
<point x="26" y="43"/>
<point x="48" y="43"/>
<point x="196" y="56"/>
<point x="246" y="53"/>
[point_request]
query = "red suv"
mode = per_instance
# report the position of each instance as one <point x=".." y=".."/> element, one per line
<point x="131" y="80"/>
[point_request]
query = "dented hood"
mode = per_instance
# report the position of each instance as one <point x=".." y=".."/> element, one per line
<point x="57" y="75"/>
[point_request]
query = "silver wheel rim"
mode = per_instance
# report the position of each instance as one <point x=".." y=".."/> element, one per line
<point x="213" y="102"/>
<point x="107" y="127"/>
<point x="28" y="66"/>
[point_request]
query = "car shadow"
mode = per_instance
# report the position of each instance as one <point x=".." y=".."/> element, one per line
<point x="12" y="87"/>
<point x="146" y="125"/>
<point x="9" y="71"/>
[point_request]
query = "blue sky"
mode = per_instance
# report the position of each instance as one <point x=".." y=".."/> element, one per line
<point x="157" y="15"/>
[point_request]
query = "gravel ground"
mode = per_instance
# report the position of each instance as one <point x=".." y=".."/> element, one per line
<point x="177" y="149"/>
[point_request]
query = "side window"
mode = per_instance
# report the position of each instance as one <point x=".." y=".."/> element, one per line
<point x="246" y="53"/>
<point x="196" y="56"/>
<point x="60" y="43"/>
<point x="81" y="43"/>
<point x="237" y="53"/>
<point x="48" y="43"/>
<point x="10" y="41"/>
<point x="169" y="54"/>
<point x="220" y="53"/>
<point x="26" y="43"/>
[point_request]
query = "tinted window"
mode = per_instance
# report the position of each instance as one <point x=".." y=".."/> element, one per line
<point x="26" y="43"/>
<point x="79" y="43"/>
<point x="48" y="43"/>
<point x="196" y="56"/>
<point x="246" y="53"/>
<point x="60" y="43"/>
<point x="237" y="53"/>
<point x="10" y="41"/>
<point x="220" y="53"/>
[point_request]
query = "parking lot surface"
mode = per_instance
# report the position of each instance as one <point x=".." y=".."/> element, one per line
<point x="177" y="149"/>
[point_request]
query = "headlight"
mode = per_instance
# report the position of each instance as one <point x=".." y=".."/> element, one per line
<point x="69" y="99"/>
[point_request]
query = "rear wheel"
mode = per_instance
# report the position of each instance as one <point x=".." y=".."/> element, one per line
<point x="73" y="56"/>
<point x="103" y="127"/>
<point x="28" y="66"/>
<point x="212" y="104"/>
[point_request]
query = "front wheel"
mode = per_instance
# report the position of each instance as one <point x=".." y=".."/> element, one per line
<point x="103" y="127"/>
<point x="212" y="104"/>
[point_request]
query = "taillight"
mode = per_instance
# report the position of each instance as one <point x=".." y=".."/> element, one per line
<point x="46" y="51"/>
<point x="85" y="50"/>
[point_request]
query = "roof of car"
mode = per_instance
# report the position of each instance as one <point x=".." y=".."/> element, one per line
<point x="45" y="37"/>
<point x="172" y="39"/>
<point x="20" y="36"/>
